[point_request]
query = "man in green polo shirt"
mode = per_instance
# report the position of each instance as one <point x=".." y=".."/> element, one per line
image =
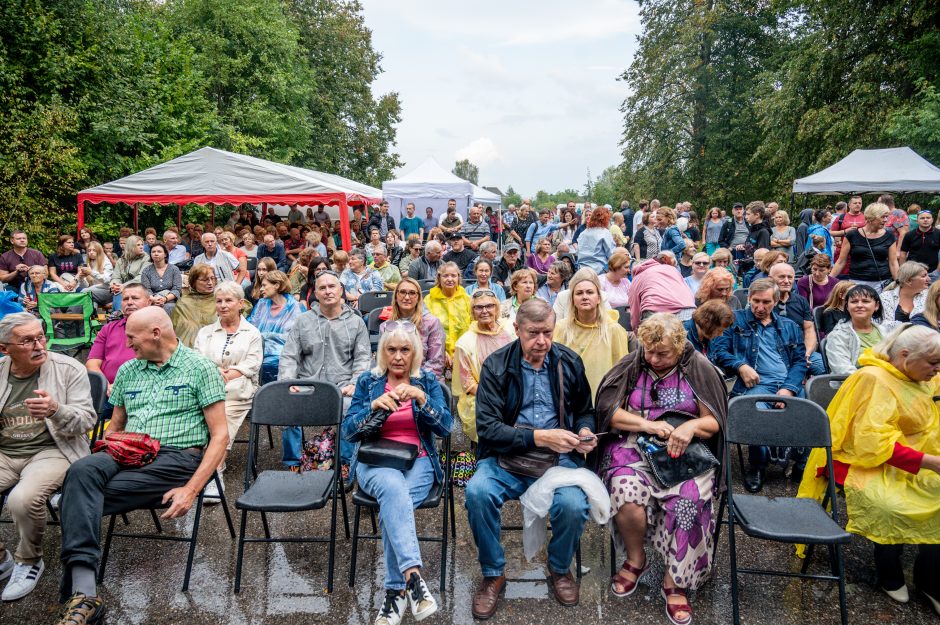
<point x="177" y="397"/>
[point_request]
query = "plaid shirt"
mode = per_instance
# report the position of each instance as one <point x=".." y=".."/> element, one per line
<point x="166" y="402"/>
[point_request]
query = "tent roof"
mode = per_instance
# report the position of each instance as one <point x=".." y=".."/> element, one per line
<point x="428" y="180"/>
<point x="899" y="170"/>
<point x="483" y="195"/>
<point x="211" y="175"/>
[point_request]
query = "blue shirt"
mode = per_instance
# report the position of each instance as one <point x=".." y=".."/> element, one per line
<point x="411" y="225"/>
<point x="538" y="408"/>
<point x="537" y="232"/>
<point x="769" y="365"/>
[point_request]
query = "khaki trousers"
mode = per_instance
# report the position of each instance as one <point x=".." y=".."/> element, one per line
<point x="34" y="479"/>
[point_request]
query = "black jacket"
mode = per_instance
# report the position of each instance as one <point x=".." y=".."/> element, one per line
<point x="375" y="221"/>
<point x="727" y="233"/>
<point x="499" y="398"/>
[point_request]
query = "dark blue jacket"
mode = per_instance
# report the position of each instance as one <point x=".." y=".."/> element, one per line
<point x="691" y="331"/>
<point x="737" y="346"/>
<point x="278" y="255"/>
<point x="434" y="418"/>
<point x="673" y="241"/>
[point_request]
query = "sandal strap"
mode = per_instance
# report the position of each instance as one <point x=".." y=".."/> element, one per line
<point x="632" y="569"/>
<point x="674" y="591"/>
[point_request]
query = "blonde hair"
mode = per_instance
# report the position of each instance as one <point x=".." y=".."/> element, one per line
<point x="721" y="254"/>
<point x="269" y="265"/>
<point x="417" y="351"/>
<point x="876" y="210"/>
<point x="662" y="329"/>
<point x="130" y="248"/>
<point x="521" y="274"/>
<point x="419" y="306"/>
<point x="918" y="341"/>
<point x="836" y="299"/>
<point x="448" y="266"/>
<point x="907" y="272"/>
<point x="785" y="215"/>
<point x="100" y="256"/>
<point x="618" y="259"/>
<point x="586" y="274"/>
<point x="931" y="309"/>
<point x="668" y="215"/>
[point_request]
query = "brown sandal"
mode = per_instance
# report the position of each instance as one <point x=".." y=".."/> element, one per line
<point x="629" y="585"/>
<point x="673" y="608"/>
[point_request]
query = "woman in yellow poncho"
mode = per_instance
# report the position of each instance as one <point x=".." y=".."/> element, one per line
<point x="485" y="336"/>
<point x="196" y="308"/>
<point x="449" y="302"/>
<point x="590" y="328"/>
<point x="886" y="454"/>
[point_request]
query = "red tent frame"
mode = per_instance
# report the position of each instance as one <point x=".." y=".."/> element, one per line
<point x="342" y="200"/>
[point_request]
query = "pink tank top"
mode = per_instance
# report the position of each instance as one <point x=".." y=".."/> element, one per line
<point x="400" y="426"/>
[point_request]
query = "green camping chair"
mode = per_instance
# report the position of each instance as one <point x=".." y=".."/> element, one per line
<point x="61" y="312"/>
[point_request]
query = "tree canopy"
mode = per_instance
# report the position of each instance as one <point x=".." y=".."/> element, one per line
<point x="467" y="170"/>
<point x="93" y="90"/>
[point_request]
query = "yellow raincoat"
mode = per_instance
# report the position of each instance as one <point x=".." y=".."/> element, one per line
<point x="453" y="313"/>
<point x="875" y="408"/>
<point x="471" y="350"/>
<point x="599" y="355"/>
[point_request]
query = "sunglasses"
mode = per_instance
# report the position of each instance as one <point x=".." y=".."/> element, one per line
<point x="483" y="293"/>
<point x="400" y="324"/>
<point x="701" y="263"/>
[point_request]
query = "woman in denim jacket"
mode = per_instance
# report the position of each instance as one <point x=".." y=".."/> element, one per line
<point x="419" y="412"/>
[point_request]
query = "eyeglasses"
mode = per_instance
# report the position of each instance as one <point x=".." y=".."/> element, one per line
<point x="701" y="263"/>
<point x="483" y="293"/>
<point x="483" y="307"/>
<point x="408" y="293"/>
<point x="400" y="324"/>
<point x="36" y="340"/>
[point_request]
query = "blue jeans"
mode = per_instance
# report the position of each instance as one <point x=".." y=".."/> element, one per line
<point x="292" y="444"/>
<point x="758" y="456"/>
<point x="816" y="366"/>
<point x="398" y="494"/>
<point x="490" y="487"/>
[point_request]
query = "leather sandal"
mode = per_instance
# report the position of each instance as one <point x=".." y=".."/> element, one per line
<point x="628" y="585"/>
<point x="674" y="608"/>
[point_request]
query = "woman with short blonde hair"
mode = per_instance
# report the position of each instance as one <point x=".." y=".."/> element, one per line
<point x="523" y="284"/>
<point x="871" y="251"/>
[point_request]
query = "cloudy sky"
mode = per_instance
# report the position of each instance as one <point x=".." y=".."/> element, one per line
<point x="526" y="90"/>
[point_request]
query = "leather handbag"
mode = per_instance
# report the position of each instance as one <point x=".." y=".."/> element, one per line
<point x="389" y="454"/>
<point x="129" y="449"/>
<point x="668" y="471"/>
<point x="371" y="426"/>
<point x="535" y="462"/>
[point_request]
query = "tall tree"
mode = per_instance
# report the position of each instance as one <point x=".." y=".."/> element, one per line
<point x="467" y="170"/>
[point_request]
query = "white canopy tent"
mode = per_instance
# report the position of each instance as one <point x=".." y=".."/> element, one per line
<point x="897" y="170"/>
<point x="210" y="176"/>
<point x="430" y="185"/>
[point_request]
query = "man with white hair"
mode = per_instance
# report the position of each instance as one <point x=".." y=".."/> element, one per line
<point x="45" y="414"/>
<point x="223" y="263"/>
<point x="425" y="268"/>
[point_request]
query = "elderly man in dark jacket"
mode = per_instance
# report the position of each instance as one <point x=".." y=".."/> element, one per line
<point x="532" y="395"/>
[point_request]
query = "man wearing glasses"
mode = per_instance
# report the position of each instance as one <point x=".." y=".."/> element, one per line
<point x="45" y="414"/>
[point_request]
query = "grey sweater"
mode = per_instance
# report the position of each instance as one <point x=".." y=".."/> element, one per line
<point x="337" y="350"/>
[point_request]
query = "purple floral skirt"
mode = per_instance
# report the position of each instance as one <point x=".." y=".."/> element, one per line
<point x="680" y="520"/>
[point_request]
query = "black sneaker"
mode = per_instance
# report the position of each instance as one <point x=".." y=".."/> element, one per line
<point x="82" y="610"/>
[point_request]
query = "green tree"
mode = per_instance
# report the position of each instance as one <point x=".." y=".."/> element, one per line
<point x="511" y="197"/>
<point x="467" y="170"/>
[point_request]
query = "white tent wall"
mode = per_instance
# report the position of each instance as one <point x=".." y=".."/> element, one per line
<point x="428" y="184"/>
<point x="896" y="170"/>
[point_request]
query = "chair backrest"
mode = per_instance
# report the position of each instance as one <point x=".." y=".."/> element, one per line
<point x="817" y="316"/>
<point x="427" y="283"/>
<point x="822" y="352"/>
<point x="316" y="403"/>
<point x="624" y="319"/>
<point x="800" y="423"/>
<point x="57" y="308"/>
<point x="822" y="388"/>
<point x="99" y="389"/>
<point x="741" y="296"/>
<point x="252" y="263"/>
<point x="373" y="322"/>
<point x="371" y="300"/>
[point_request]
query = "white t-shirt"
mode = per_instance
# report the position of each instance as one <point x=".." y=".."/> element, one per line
<point x="637" y="220"/>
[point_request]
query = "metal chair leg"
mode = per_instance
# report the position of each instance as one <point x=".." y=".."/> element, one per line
<point x="332" y="561"/>
<point x="156" y="521"/>
<point x="355" y="546"/>
<point x="264" y="524"/>
<point x="192" y="543"/>
<point x="735" y="608"/>
<point x="372" y="517"/>
<point x="444" y="515"/>
<point x="225" y="510"/>
<point x="722" y="502"/>
<point x="577" y="559"/>
<point x="125" y="519"/>
<point x="270" y="438"/>
<point x="345" y="511"/>
<point x="840" y="566"/>
<point x="241" y="552"/>
<point x="107" y="549"/>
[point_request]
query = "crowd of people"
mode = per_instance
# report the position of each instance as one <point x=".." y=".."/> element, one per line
<point x="572" y="336"/>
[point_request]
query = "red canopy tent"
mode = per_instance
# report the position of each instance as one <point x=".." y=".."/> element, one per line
<point x="210" y="176"/>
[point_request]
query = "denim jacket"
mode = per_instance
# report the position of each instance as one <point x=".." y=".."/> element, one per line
<point x="737" y="346"/>
<point x="673" y="241"/>
<point x="432" y="419"/>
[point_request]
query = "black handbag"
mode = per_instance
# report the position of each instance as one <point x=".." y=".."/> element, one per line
<point x="668" y="471"/>
<point x="535" y="462"/>
<point x="382" y="452"/>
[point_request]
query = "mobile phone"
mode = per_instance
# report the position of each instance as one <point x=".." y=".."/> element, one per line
<point x="585" y="439"/>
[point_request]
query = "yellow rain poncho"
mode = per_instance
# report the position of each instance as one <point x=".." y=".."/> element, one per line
<point x="472" y="349"/>
<point x="453" y="313"/>
<point x="875" y="408"/>
<point x="599" y="353"/>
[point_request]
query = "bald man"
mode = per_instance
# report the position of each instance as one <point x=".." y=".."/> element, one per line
<point x="177" y="397"/>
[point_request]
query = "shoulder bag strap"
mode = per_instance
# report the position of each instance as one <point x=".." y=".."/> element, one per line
<point x="872" y="252"/>
<point x="561" y="394"/>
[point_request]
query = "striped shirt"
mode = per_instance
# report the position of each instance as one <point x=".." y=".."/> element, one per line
<point x="167" y="402"/>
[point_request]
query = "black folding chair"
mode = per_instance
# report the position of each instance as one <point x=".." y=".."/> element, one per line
<point x="316" y="403"/>
<point x="821" y="389"/>
<point x="440" y="493"/>
<point x="373" y="323"/>
<point x="801" y="423"/>
<point x="741" y="296"/>
<point x="822" y="352"/>
<point x="99" y="394"/>
<point x="624" y="319"/>
<point x="371" y="300"/>
<point x="159" y="535"/>
<point x="427" y="284"/>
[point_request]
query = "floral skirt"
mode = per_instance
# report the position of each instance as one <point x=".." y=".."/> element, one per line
<point x="680" y="520"/>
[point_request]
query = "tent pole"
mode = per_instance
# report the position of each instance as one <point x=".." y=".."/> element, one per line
<point x="344" y="224"/>
<point x="80" y="216"/>
<point x="212" y="214"/>
<point x="136" y="210"/>
<point x="179" y="217"/>
<point x="264" y="210"/>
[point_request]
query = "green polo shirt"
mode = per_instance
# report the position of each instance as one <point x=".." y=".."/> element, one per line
<point x="166" y="402"/>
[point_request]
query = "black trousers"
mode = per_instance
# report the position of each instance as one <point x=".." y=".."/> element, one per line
<point x="96" y="486"/>
<point x="926" y="568"/>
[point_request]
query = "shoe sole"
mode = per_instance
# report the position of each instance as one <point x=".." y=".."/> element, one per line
<point x="480" y="617"/>
<point x="636" y="584"/>
<point x="42" y="568"/>
<point x="688" y="621"/>
<point x="420" y="616"/>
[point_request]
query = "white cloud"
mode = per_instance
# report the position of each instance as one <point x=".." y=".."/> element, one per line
<point x="480" y="152"/>
<point x="489" y="67"/>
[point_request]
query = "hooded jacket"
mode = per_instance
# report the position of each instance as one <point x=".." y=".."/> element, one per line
<point x="337" y="349"/>
<point x="843" y="347"/>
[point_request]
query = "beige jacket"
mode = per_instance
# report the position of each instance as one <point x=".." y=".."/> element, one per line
<point x="66" y="381"/>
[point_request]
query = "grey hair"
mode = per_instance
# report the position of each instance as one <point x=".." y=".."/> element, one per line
<point x="230" y="287"/>
<point x="487" y="246"/>
<point x="357" y="252"/>
<point x="535" y="310"/>
<point x="432" y="245"/>
<point x="666" y="255"/>
<point x="417" y="350"/>
<point x="130" y="245"/>
<point x="907" y="272"/>
<point x="12" y="321"/>
<point x="919" y="341"/>
<point x="764" y="284"/>
<point x="380" y="248"/>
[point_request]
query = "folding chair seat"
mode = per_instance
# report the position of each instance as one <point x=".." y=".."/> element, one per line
<point x="821" y="389"/>
<point x="315" y="404"/>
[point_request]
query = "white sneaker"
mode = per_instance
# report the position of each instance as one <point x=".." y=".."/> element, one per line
<point x="393" y="608"/>
<point x="211" y="496"/>
<point x="420" y="598"/>
<point x="23" y="580"/>
<point x="6" y="567"/>
<point x="54" y="501"/>
<point x="901" y="595"/>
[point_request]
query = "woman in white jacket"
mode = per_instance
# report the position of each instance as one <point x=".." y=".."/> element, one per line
<point x="862" y="330"/>
<point x="907" y="295"/>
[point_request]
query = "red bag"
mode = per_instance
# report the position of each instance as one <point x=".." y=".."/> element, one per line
<point x="129" y="449"/>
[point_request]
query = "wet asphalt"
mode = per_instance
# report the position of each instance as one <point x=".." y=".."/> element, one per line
<point x="286" y="583"/>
